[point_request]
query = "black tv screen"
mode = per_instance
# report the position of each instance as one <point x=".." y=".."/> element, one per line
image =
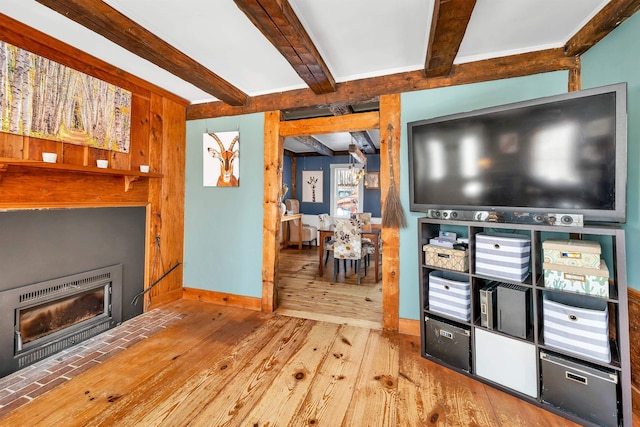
<point x="559" y="154"/>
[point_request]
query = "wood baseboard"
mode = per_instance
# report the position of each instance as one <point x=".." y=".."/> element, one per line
<point x="158" y="300"/>
<point x="409" y="327"/>
<point x="231" y="300"/>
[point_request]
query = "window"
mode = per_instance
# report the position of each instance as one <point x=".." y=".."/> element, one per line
<point x="347" y="190"/>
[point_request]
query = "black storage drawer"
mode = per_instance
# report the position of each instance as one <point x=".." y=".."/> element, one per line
<point x="588" y="392"/>
<point x="449" y="343"/>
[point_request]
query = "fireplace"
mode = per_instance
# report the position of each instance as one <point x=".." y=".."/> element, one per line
<point x="55" y="314"/>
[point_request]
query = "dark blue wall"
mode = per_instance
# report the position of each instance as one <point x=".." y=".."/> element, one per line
<point x="371" y="197"/>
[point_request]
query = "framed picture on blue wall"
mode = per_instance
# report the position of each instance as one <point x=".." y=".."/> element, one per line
<point x="312" y="186"/>
<point x="372" y="181"/>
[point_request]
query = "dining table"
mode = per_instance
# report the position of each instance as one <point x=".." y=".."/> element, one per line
<point x="285" y="221"/>
<point x="371" y="231"/>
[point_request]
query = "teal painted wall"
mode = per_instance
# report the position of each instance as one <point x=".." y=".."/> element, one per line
<point x="616" y="59"/>
<point x="439" y="102"/>
<point x="223" y="226"/>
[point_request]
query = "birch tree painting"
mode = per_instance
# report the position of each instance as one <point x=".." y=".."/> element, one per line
<point x="44" y="99"/>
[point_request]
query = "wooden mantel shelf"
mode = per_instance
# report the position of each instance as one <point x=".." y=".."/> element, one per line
<point x="130" y="176"/>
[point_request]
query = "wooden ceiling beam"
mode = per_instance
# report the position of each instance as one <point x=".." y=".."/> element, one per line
<point x="608" y="19"/>
<point x="277" y="21"/>
<point x="448" y="25"/>
<point x="363" y="141"/>
<point x="365" y="90"/>
<point x="357" y="154"/>
<point x="320" y="125"/>
<point x="102" y="19"/>
<point x="362" y="138"/>
<point x="315" y="145"/>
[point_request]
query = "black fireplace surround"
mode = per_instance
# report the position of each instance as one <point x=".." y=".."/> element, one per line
<point x="56" y="314"/>
<point x="92" y="257"/>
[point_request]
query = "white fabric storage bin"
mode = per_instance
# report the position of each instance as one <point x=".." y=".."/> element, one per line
<point x="506" y="361"/>
<point x="450" y="294"/>
<point x="503" y="255"/>
<point x="577" y="324"/>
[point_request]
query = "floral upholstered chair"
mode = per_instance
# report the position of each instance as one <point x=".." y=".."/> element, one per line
<point x="364" y="218"/>
<point x="347" y="236"/>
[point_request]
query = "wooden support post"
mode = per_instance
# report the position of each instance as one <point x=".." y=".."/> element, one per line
<point x="390" y="115"/>
<point x="273" y="159"/>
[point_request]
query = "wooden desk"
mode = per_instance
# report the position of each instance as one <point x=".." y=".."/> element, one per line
<point x="285" y="219"/>
<point x="372" y="231"/>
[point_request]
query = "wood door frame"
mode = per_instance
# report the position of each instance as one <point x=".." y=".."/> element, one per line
<point x="387" y="119"/>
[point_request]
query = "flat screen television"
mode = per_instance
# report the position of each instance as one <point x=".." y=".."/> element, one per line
<point x="563" y="154"/>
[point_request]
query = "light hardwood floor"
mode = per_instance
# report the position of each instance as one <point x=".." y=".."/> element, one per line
<point x="302" y="293"/>
<point x="222" y="366"/>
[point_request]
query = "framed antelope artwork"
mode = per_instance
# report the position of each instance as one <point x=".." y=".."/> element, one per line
<point x="221" y="159"/>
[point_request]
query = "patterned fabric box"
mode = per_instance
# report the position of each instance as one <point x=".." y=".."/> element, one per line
<point x="451" y="259"/>
<point x="588" y="281"/>
<point x="577" y="324"/>
<point x="503" y="255"/>
<point x="449" y="294"/>
<point x="579" y="253"/>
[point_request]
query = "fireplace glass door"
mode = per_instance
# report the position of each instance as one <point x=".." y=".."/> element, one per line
<point x="46" y="319"/>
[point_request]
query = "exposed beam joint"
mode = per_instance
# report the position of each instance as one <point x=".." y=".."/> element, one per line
<point x="102" y="19"/>
<point x="357" y="154"/>
<point x="315" y="145"/>
<point x="362" y="138"/>
<point x="608" y="19"/>
<point x="340" y="109"/>
<point x="277" y="21"/>
<point x="448" y="25"/>
<point x="364" y="142"/>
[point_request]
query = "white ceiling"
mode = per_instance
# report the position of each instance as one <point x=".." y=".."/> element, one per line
<point x="338" y="141"/>
<point x="356" y="38"/>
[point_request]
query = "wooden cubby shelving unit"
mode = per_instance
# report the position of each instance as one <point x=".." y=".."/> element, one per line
<point x="612" y="239"/>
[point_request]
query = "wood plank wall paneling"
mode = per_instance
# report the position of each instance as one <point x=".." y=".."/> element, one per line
<point x="158" y="139"/>
<point x="172" y="203"/>
<point x="634" y="339"/>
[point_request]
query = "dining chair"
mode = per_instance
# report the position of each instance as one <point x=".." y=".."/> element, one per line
<point x="364" y="218"/>
<point x="347" y="236"/>
<point x="326" y="223"/>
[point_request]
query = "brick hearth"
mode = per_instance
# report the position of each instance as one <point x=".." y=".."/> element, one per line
<point x="25" y="385"/>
